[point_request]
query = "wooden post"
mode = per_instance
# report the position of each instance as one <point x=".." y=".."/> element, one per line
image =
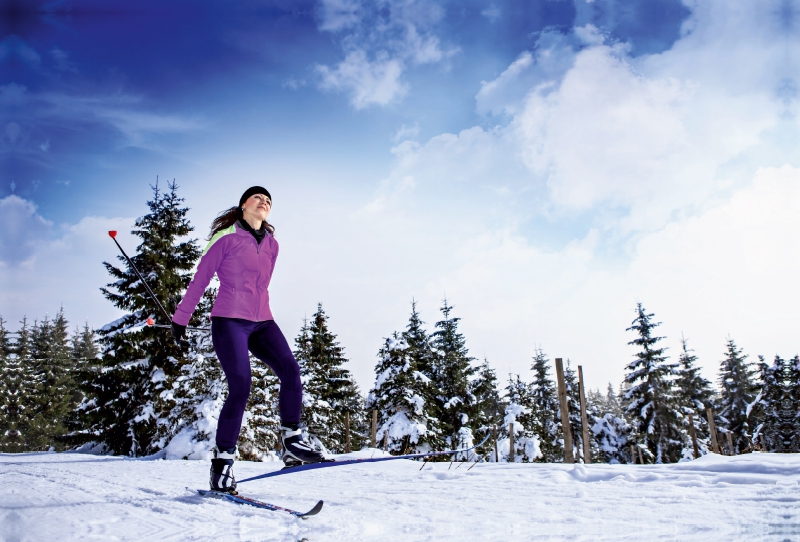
<point x="641" y="459"/>
<point x="347" y="449"/>
<point x="511" y="442"/>
<point x="562" y="398"/>
<point x="763" y="442"/>
<point x="385" y="440"/>
<point x="374" y="428"/>
<point x="494" y="436"/>
<point x="633" y="455"/>
<point x="694" y="436"/>
<point x="587" y="448"/>
<point x="730" y="444"/>
<point x="712" y="430"/>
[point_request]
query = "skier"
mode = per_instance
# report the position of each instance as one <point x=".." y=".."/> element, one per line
<point x="242" y="251"/>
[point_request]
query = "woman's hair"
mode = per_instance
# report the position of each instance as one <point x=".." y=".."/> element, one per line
<point x="228" y="217"/>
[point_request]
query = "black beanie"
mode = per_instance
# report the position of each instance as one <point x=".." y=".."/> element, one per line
<point x="252" y="191"/>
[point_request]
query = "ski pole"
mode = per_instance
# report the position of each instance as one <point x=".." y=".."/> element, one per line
<point x="151" y="323"/>
<point x="113" y="235"/>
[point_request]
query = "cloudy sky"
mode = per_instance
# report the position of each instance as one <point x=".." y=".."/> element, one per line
<point x="544" y="165"/>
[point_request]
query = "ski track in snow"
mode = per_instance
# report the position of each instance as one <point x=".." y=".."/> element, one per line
<point x="72" y="496"/>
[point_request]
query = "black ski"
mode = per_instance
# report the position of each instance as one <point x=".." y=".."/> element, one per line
<point x="240" y="499"/>
<point x="328" y="464"/>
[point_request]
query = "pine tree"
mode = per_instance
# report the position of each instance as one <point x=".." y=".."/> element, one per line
<point x="693" y="395"/>
<point x="14" y="396"/>
<point x="770" y="404"/>
<point x="451" y="376"/>
<point x="422" y="357"/>
<point x="519" y="416"/>
<point x="8" y="390"/>
<point x="609" y="430"/>
<point x="328" y="387"/>
<point x="128" y="401"/>
<point x="546" y="410"/>
<point x="399" y="398"/>
<point x="737" y="392"/>
<point x="649" y="401"/>
<point x="791" y="418"/>
<point x="489" y="408"/>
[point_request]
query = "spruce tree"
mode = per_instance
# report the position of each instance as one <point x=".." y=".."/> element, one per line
<point x="693" y="396"/>
<point x="15" y="386"/>
<point x="127" y="403"/>
<point x="488" y="405"/>
<point x="791" y="418"/>
<point x="546" y="409"/>
<point x="769" y="407"/>
<point x="519" y="416"/>
<point x="650" y="400"/>
<point x="398" y="396"/>
<point x="737" y="392"/>
<point x="451" y="377"/>
<point x="328" y="387"/>
<point x="8" y="389"/>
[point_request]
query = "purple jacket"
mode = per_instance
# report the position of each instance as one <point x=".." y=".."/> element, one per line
<point x="244" y="269"/>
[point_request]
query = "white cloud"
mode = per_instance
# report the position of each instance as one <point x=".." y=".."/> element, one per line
<point x="492" y="12"/>
<point x="337" y="15"/>
<point x="22" y="229"/>
<point x="368" y="82"/>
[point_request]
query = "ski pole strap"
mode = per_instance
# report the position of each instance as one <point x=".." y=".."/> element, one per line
<point x="325" y="464"/>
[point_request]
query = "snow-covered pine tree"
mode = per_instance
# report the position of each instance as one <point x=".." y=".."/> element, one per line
<point x="14" y="390"/>
<point x="767" y="413"/>
<point x="452" y="373"/>
<point x="792" y="417"/>
<point x="547" y="421"/>
<point x="399" y="398"/>
<point x="519" y="416"/>
<point x="84" y="354"/>
<point x="489" y="407"/>
<point x="737" y="392"/>
<point x="328" y="387"/>
<point x="422" y="357"/>
<point x="7" y="381"/>
<point x="649" y="402"/>
<point x="48" y="384"/>
<point x="128" y="401"/>
<point x="693" y="396"/>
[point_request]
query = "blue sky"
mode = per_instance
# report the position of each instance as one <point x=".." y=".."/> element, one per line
<point x="544" y="164"/>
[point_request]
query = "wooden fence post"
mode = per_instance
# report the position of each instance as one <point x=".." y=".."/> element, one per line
<point x="641" y="459"/>
<point x="694" y="436"/>
<point x="587" y="448"/>
<point x="730" y="444"/>
<point x="712" y="430"/>
<point x="347" y="448"/>
<point x="374" y="428"/>
<point x="562" y="398"/>
<point x="763" y="442"/>
<point x="633" y="454"/>
<point x="511" y="442"/>
<point x="385" y="440"/>
<point x="494" y="436"/>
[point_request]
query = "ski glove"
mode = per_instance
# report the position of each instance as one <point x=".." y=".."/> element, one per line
<point x="178" y="331"/>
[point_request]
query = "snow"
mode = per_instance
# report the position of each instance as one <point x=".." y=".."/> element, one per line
<point x="72" y="496"/>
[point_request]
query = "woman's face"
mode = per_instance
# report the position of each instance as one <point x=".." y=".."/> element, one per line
<point x="257" y="206"/>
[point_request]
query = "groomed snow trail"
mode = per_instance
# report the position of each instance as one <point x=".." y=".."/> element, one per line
<point x="82" y="497"/>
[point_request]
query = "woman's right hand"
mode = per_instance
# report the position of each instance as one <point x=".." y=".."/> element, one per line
<point x="178" y="331"/>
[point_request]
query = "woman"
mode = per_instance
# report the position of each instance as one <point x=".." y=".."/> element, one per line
<point x="242" y="252"/>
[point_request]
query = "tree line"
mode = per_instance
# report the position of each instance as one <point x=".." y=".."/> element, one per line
<point x="129" y="389"/>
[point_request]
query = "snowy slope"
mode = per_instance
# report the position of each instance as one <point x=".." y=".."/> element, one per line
<point x="84" y="497"/>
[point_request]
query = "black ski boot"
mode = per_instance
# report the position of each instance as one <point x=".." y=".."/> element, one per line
<point x="296" y="451"/>
<point x="222" y="479"/>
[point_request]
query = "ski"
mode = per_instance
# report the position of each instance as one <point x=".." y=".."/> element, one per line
<point x="328" y="464"/>
<point x="240" y="499"/>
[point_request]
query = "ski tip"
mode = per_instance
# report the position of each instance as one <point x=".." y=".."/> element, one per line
<point x="314" y="511"/>
<point x="112" y="234"/>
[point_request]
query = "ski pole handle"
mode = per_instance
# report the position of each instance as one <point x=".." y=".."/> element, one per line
<point x="113" y="235"/>
<point x="152" y="323"/>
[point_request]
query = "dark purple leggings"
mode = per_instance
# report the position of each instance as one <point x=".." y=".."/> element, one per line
<point x="232" y="338"/>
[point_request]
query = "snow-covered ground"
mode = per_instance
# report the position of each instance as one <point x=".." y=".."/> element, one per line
<point x="83" y="497"/>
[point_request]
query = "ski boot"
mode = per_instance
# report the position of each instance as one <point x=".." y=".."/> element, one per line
<point x="296" y="451"/>
<point x="222" y="479"/>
